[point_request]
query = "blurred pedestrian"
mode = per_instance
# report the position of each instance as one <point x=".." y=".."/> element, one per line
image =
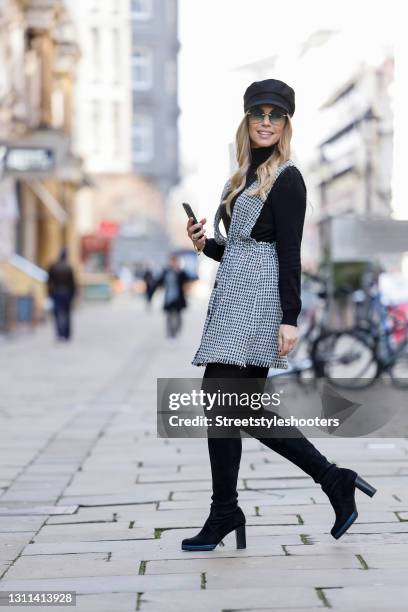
<point x="62" y="288"/>
<point x="172" y="279"/>
<point x="126" y="278"/>
<point x="148" y="278"/>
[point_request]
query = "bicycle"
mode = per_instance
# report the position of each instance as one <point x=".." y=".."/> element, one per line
<point x="357" y="357"/>
<point x="314" y="324"/>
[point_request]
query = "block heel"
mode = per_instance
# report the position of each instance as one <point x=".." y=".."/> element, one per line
<point x="364" y="486"/>
<point x="216" y="527"/>
<point x="340" y="485"/>
<point x="240" y="536"/>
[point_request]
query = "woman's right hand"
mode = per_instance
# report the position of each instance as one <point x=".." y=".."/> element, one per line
<point x="196" y="232"/>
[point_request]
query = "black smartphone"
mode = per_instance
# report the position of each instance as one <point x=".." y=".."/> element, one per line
<point x="189" y="211"/>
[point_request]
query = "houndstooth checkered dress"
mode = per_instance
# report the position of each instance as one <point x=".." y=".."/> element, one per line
<point x="244" y="311"/>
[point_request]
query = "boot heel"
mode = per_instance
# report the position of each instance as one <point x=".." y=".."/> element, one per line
<point x="364" y="486"/>
<point x="240" y="536"/>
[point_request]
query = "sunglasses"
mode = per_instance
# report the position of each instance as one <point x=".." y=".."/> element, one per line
<point x="256" y="115"/>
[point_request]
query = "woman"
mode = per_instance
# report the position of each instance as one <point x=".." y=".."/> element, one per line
<point x="251" y="322"/>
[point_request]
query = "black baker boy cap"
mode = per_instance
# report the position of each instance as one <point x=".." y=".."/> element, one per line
<point x="270" y="91"/>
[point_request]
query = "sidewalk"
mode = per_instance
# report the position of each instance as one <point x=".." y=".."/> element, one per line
<point x="91" y="501"/>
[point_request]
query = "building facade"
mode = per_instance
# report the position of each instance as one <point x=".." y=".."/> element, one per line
<point x="126" y="125"/>
<point x="155" y="110"/>
<point x="39" y="174"/>
<point x="102" y="101"/>
<point x="355" y="158"/>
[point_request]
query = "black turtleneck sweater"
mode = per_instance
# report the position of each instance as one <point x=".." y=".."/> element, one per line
<point x="281" y="219"/>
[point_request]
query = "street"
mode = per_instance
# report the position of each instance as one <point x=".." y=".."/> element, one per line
<point x="92" y="501"/>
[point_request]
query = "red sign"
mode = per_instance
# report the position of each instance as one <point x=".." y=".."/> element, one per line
<point x="92" y="243"/>
<point x="108" y="229"/>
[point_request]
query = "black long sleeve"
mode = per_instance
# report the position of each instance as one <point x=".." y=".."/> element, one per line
<point x="213" y="249"/>
<point x="288" y="200"/>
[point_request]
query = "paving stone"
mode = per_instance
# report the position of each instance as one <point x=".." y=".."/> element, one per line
<point x="106" y="513"/>
<point x="42" y="510"/>
<point x="342" y="546"/>
<point x="315" y="609"/>
<point x="217" y="600"/>
<point x="110" y="602"/>
<point x="105" y="584"/>
<point x="90" y="532"/>
<point x="73" y="566"/>
<point x="34" y="496"/>
<point x="376" y="597"/>
<point x="141" y="497"/>
<point x="9" y="539"/>
<point x="9" y="524"/>
<point x="320" y="578"/>
<point x="231" y="564"/>
<point x="385" y="559"/>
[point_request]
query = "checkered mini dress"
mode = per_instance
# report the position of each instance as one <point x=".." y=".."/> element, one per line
<point x="244" y="311"/>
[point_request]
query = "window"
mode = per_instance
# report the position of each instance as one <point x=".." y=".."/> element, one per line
<point x="171" y="144"/>
<point x="141" y="9"/>
<point x="96" y="125"/>
<point x="171" y="13"/>
<point x="116" y="55"/>
<point x="170" y="76"/>
<point x="116" y="128"/>
<point x="142" y="138"/>
<point x="58" y="108"/>
<point x="96" y="52"/>
<point x="142" y="73"/>
<point x="135" y="104"/>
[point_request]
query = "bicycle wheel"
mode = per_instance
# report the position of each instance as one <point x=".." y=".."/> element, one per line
<point x="398" y="370"/>
<point x="345" y="359"/>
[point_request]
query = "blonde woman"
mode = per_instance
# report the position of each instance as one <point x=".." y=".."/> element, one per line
<point x="251" y="322"/>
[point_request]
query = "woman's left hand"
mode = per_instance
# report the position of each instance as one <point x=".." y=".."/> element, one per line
<point x="288" y="335"/>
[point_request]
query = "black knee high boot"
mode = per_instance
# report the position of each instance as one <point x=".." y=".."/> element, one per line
<point x="300" y="451"/>
<point x="339" y="484"/>
<point x="225" y="514"/>
<point x="225" y="457"/>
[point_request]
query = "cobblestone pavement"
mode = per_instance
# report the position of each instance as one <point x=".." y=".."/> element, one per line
<point x="92" y="501"/>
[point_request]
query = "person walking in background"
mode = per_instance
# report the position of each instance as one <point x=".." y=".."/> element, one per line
<point x="148" y="278"/>
<point x="62" y="288"/>
<point x="172" y="279"/>
<point x="251" y="322"/>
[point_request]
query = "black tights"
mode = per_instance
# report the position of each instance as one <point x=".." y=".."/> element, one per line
<point x="225" y="452"/>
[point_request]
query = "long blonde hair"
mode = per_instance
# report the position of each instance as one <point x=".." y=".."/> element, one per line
<point x="266" y="171"/>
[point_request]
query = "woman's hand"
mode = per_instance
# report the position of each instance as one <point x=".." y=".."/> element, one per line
<point x="196" y="233"/>
<point x="288" y="336"/>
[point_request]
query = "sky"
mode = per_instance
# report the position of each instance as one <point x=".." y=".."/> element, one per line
<point x="220" y="42"/>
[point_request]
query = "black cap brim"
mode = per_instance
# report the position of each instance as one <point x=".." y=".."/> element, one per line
<point x="268" y="98"/>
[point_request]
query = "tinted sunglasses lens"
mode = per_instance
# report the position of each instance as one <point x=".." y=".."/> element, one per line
<point x="255" y="114"/>
<point x="277" y="116"/>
